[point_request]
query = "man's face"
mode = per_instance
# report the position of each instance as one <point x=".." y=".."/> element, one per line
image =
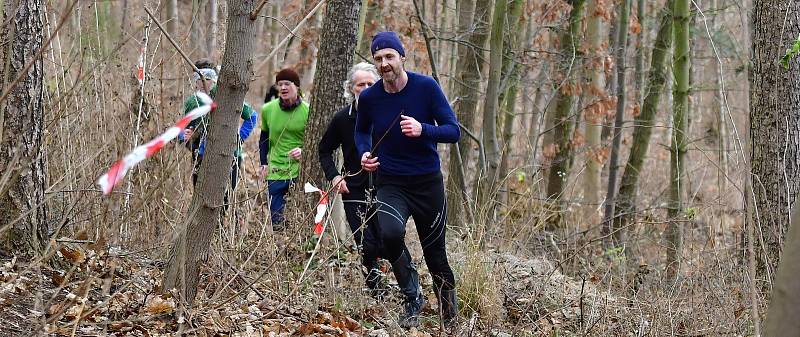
<point x="287" y="91"/>
<point x="205" y="85"/>
<point x="389" y="63"/>
<point x="362" y="80"/>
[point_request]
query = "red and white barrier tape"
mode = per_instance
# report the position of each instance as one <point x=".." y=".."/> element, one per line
<point x="140" y="67"/>
<point x="117" y="171"/>
<point x="322" y="207"/>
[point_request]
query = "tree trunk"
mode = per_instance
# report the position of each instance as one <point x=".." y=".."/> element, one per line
<point x="372" y="19"/>
<point x="172" y="18"/>
<point x="675" y="206"/>
<point x="191" y="244"/>
<point x="613" y="168"/>
<point x="598" y="103"/>
<point x="489" y="178"/>
<point x="722" y="133"/>
<point x="508" y="103"/>
<point x="213" y="29"/>
<point x="336" y="50"/>
<point x="465" y="93"/>
<point x="774" y="126"/>
<point x="644" y="124"/>
<point x="22" y="161"/>
<point x="785" y="305"/>
<point x="562" y="115"/>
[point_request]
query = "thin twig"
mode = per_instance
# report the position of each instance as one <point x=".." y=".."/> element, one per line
<point x="169" y="38"/>
<point x="292" y="33"/>
<point x="254" y="13"/>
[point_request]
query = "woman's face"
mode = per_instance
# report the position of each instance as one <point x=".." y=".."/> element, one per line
<point x="362" y="80"/>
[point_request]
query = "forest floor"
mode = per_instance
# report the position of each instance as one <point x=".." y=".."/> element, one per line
<point x="93" y="290"/>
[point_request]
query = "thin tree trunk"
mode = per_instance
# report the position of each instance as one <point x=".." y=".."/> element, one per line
<point x="23" y="170"/>
<point x="172" y="18"/>
<point x="562" y="115"/>
<point x="191" y="245"/>
<point x="722" y="132"/>
<point x="198" y="47"/>
<point x="490" y="104"/>
<point x="509" y="102"/>
<point x="465" y="93"/>
<point x="644" y="124"/>
<point x="675" y="206"/>
<point x="595" y="112"/>
<point x="336" y="50"/>
<point x="613" y="168"/>
<point x="774" y="128"/>
<point x="213" y="29"/>
<point x="372" y="19"/>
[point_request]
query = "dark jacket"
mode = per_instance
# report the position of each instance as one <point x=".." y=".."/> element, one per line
<point x="340" y="133"/>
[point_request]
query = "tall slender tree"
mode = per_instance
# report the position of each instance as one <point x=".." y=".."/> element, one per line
<point x="613" y="168"/>
<point x="190" y="247"/>
<point x="513" y="66"/>
<point x="597" y="102"/>
<point x="680" y="111"/>
<point x="336" y="50"/>
<point x="563" y="120"/>
<point x="23" y="217"/>
<point x="774" y="126"/>
<point x="644" y="123"/>
<point x="489" y="130"/>
<point x="473" y="20"/>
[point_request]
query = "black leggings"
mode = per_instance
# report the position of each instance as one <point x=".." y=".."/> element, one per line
<point x="366" y="234"/>
<point x="423" y="198"/>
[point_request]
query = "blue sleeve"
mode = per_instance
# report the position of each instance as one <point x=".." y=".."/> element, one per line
<point x="446" y="130"/>
<point x="247" y="126"/>
<point x="181" y="136"/>
<point x="363" y="130"/>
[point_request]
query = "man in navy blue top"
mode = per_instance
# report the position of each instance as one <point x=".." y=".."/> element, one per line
<point x="407" y="114"/>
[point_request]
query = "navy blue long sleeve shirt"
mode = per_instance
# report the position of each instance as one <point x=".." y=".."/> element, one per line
<point x="400" y="155"/>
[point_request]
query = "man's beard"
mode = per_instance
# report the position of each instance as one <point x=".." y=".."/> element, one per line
<point x="389" y="76"/>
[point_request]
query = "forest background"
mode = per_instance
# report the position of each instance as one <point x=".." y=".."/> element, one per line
<point x="627" y="167"/>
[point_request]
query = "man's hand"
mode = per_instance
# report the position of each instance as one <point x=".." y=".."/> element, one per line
<point x="187" y="133"/>
<point x="340" y="185"/>
<point x="295" y="153"/>
<point x="262" y="172"/>
<point x="410" y="126"/>
<point x="368" y="163"/>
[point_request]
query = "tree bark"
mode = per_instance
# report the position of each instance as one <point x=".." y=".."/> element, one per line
<point x="22" y="162"/>
<point x="508" y="103"/>
<point x="562" y="117"/>
<point x="213" y="29"/>
<point x="613" y="168"/>
<point x="489" y="178"/>
<point x="336" y="50"/>
<point x="372" y="19"/>
<point x="172" y="18"/>
<point x="774" y="127"/>
<point x="598" y="103"/>
<point x="191" y="244"/>
<point x="644" y="124"/>
<point x="466" y="90"/>
<point x="675" y="206"/>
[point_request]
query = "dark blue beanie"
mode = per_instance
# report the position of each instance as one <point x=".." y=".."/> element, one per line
<point x="387" y="40"/>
